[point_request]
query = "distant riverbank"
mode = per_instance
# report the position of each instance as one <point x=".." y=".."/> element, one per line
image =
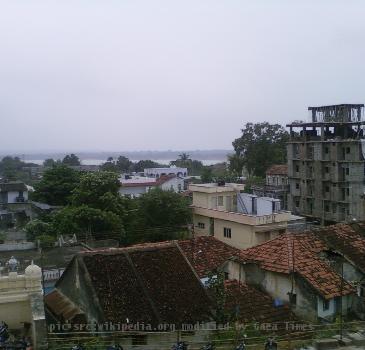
<point x="101" y="161"/>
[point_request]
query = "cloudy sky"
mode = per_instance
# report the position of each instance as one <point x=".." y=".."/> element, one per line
<point x="153" y="74"/>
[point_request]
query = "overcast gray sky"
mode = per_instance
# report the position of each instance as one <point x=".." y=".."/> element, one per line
<point x="136" y="75"/>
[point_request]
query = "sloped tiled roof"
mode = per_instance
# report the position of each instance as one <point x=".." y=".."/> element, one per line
<point x="150" y="283"/>
<point x="252" y="305"/>
<point x="207" y="253"/>
<point x="347" y="239"/>
<point x="299" y="253"/>
<point x="280" y="169"/>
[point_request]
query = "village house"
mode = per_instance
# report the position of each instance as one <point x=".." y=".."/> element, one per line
<point x="135" y="186"/>
<point x="291" y="269"/>
<point x="21" y="302"/>
<point x="244" y="303"/>
<point x="156" y="283"/>
<point x="12" y="192"/>
<point x="238" y="219"/>
<point x="150" y="284"/>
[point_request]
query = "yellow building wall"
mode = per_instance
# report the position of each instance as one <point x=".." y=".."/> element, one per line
<point x="15" y="313"/>
<point x="242" y="236"/>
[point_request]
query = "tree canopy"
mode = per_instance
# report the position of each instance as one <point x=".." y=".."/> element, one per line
<point x="56" y="185"/>
<point x="260" y="146"/>
<point x="71" y="159"/>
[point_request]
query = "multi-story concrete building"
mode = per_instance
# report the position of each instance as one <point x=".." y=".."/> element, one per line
<point x="238" y="219"/>
<point x="326" y="164"/>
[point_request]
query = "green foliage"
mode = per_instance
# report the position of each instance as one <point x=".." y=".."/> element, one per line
<point x="50" y="162"/>
<point x="12" y="168"/>
<point x="56" y="185"/>
<point x="216" y="287"/>
<point x="37" y="228"/>
<point x="123" y="164"/>
<point x="71" y="159"/>
<point x="158" y="215"/>
<point x="93" y="186"/>
<point x="87" y="221"/>
<point x="143" y="164"/>
<point x="252" y="181"/>
<point x="195" y="167"/>
<point x="206" y="175"/>
<point x="46" y="241"/>
<point x="260" y="146"/>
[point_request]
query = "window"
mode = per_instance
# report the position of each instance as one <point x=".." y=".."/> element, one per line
<point x="297" y="186"/>
<point x="297" y="168"/>
<point x="347" y="171"/>
<point x="201" y="225"/>
<point x="326" y="305"/>
<point x="347" y="150"/>
<point x="327" y="188"/>
<point x="326" y="169"/>
<point x="334" y="208"/>
<point x="347" y="191"/>
<point x="327" y="208"/>
<point x="326" y="150"/>
<point x="297" y="203"/>
<point x="220" y="200"/>
<point x="227" y="232"/>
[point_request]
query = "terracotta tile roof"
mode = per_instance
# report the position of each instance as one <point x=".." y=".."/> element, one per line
<point x="206" y="254"/>
<point x="280" y="169"/>
<point x="150" y="283"/>
<point x="347" y="239"/>
<point x="249" y="304"/>
<point x="298" y="253"/>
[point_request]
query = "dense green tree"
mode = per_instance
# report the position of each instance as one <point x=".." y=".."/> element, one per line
<point x="88" y="222"/>
<point x="12" y="168"/>
<point x="195" y="167"/>
<point x="49" y="162"/>
<point x="124" y="164"/>
<point x="260" y="146"/>
<point x="56" y="185"/>
<point x="158" y="215"/>
<point x="36" y="228"/>
<point x="71" y="159"/>
<point x="184" y="156"/>
<point x="207" y="175"/>
<point x="94" y="186"/>
<point x="143" y="164"/>
<point x="109" y="165"/>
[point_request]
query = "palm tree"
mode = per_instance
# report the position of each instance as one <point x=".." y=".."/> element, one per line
<point x="184" y="156"/>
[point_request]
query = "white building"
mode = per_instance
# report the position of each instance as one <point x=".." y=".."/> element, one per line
<point x="158" y="172"/>
<point x="135" y="186"/>
<point x="13" y="192"/>
<point x="21" y="303"/>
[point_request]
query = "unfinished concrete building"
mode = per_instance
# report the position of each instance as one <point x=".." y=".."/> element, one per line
<point x="326" y="164"/>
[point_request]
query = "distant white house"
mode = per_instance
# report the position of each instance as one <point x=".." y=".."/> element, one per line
<point x="13" y="192"/>
<point x="134" y="186"/>
<point x="158" y="172"/>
